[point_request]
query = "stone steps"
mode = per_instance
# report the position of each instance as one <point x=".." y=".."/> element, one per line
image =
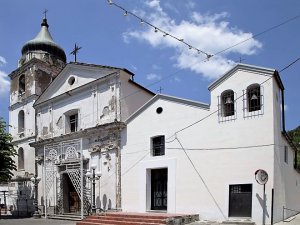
<point x="68" y="216"/>
<point x="229" y="222"/>
<point x="138" y="219"/>
<point x="128" y="220"/>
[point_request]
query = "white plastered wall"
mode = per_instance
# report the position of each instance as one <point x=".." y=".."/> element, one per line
<point x="131" y="96"/>
<point x="224" y="153"/>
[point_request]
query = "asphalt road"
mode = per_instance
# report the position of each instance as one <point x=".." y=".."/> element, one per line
<point x="31" y="221"/>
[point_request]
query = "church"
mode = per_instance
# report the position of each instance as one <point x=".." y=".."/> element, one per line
<point x="99" y="141"/>
<point x="67" y="117"/>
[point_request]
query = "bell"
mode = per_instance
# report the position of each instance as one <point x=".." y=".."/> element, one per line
<point x="228" y="100"/>
<point x="254" y="97"/>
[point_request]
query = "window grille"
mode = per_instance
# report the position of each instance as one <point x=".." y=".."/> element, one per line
<point x="227" y="106"/>
<point x="253" y="101"/>
<point x="158" y="146"/>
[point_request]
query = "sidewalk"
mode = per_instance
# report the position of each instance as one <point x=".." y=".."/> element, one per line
<point x="31" y="221"/>
<point x="294" y="220"/>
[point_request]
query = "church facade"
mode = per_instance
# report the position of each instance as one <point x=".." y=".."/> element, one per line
<point x="205" y="159"/>
<point x="66" y="118"/>
<point x="146" y="152"/>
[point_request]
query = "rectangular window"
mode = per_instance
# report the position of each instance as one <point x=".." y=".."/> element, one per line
<point x="286" y="154"/>
<point x="158" y="145"/>
<point x="73" y="122"/>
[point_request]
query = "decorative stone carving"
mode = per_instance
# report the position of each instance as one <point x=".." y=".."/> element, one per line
<point x="52" y="155"/>
<point x="71" y="153"/>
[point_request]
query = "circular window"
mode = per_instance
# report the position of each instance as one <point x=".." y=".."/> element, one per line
<point x="159" y="110"/>
<point x="71" y="80"/>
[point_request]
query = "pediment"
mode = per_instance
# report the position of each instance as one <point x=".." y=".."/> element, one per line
<point x="72" y="77"/>
<point x="245" y="67"/>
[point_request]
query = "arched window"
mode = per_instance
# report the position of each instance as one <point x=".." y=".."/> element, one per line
<point x="21" y="159"/>
<point x="227" y="101"/>
<point x="254" y="97"/>
<point x="22" y="84"/>
<point x="21" y="121"/>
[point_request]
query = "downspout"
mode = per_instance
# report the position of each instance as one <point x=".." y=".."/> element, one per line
<point x="283" y="125"/>
<point x="282" y="109"/>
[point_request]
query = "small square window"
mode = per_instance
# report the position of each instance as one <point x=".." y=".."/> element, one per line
<point x="158" y="145"/>
<point x="286" y="154"/>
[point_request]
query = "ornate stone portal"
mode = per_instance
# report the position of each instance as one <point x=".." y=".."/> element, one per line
<point x="64" y="162"/>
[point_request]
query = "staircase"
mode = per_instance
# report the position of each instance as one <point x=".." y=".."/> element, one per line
<point x="66" y="216"/>
<point x="120" y="218"/>
<point x="237" y="222"/>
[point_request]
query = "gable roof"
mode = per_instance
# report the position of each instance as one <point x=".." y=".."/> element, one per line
<point x="140" y="87"/>
<point x="168" y="98"/>
<point x="101" y="66"/>
<point x="246" y="67"/>
<point x="75" y="66"/>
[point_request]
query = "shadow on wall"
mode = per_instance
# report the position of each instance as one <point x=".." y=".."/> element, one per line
<point x="107" y="205"/>
<point x="23" y="198"/>
<point x="263" y="205"/>
<point x="98" y="202"/>
<point x="124" y="138"/>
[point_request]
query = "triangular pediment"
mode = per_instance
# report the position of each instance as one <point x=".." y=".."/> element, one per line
<point x="176" y="100"/>
<point x="244" y="67"/>
<point x="72" y="77"/>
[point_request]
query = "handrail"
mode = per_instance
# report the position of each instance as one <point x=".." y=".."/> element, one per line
<point x="284" y="208"/>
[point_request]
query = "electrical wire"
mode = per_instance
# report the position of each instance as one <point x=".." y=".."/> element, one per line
<point x="157" y="29"/>
<point x="172" y="74"/>
<point x="126" y="12"/>
<point x="259" y="34"/>
<point x="202" y="179"/>
<point x="224" y="148"/>
<point x="292" y="63"/>
<point x="207" y="116"/>
<point x="208" y="56"/>
<point x="176" y="72"/>
<point x="200" y="120"/>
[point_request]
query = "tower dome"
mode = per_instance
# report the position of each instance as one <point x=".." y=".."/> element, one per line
<point x="42" y="44"/>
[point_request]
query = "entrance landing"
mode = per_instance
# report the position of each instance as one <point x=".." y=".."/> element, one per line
<point x="125" y="218"/>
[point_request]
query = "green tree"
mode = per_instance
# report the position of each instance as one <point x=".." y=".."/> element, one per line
<point x="7" y="152"/>
<point x="295" y="136"/>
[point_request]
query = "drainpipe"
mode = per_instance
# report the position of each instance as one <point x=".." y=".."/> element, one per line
<point x="282" y="109"/>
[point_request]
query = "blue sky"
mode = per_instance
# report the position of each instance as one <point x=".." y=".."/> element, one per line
<point x="107" y="37"/>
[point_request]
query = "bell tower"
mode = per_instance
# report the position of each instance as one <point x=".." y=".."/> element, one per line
<point x="41" y="61"/>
